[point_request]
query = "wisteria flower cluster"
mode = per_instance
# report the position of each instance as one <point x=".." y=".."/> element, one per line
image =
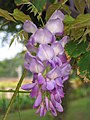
<point x="48" y="63"/>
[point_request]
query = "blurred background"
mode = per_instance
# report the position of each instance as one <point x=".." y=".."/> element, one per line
<point x="77" y="92"/>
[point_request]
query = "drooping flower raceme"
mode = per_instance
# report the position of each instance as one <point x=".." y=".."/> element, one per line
<point x="48" y="63"/>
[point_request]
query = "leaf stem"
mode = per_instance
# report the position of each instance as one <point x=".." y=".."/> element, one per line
<point x="11" y="91"/>
<point x="15" y="93"/>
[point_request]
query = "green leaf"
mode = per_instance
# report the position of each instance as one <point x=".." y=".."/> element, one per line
<point x="33" y="9"/>
<point x="20" y="2"/>
<point x="66" y="9"/>
<point x="80" y="5"/>
<point x="77" y="34"/>
<point x="15" y="93"/>
<point x="82" y="20"/>
<point x="84" y="36"/>
<point x="21" y="36"/>
<point x="39" y="4"/>
<point x="68" y="19"/>
<point x="19" y="15"/>
<point x="12" y="41"/>
<point x="75" y="50"/>
<point x="75" y="28"/>
<point x="6" y="15"/>
<point x="84" y="64"/>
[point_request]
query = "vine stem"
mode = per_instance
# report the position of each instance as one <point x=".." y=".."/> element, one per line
<point x="15" y="93"/>
<point x="4" y="23"/>
<point x="42" y="21"/>
<point x="12" y="91"/>
<point x="64" y="2"/>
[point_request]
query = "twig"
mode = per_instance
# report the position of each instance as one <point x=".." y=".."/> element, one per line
<point x="3" y="91"/>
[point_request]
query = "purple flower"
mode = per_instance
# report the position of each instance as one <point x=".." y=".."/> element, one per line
<point x="57" y="97"/>
<point x="65" y="78"/>
<point x="33" y="64"/>
<point x="34" y="91"/>
<point x="43" y="36"/>
<point x="46" y="59"/>
<point x="42" y="110"/>
<point x="38" y="100"/>
<point x="40" y="79"/>
<point x="50" y="85"/>
<point x="55" y="26"/>
<point x="31" y="48"/>
<point x="54" y="73"/>
<point x="58" y="49"/>
<point x="45" y="52"/>
<point x="65" y="69"/>
<point x="63" y="58"/>
<point x="53" y="110"/>
<point x="59" y="107"/>
<point x="47" y="103"/>
<point x="29" y="27"/>
<point x="64" y="41"/>
<point x="57" y="61"/>
<point x="59" y="81"/>
<point x="28" y="86"/>
<point x="38" y="110"/>
<point x="58" y="14"/>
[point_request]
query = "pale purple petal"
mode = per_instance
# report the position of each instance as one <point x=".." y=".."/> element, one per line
<point x="31" y="40"/>
<point x="34" y="91"/>
<point x="41" y="79"/>
<point x="45" y="52"/>
<point x="53" y="99"/>
<point x="28" y="60"/>
<point x="42" y="110"/>
<point x="38" y="100"/>
<point x="44" y="86"/>
<point x="54" y="73"/>
<point x="63" y="58"/>
<point x="29" y="27"/>
<point x="26" y="65"/>
<point x="28" y="86"/>
<point x="58" y="49"/>
<point x="28" y="57"/>
<point x="59" y="107"/>
<point x="45" y="111"/>
<point x="66" y="70"/>
<point x="52" y="108"/>
<point x="60" y="90"/>
<point x="57" y="14"/>
<point x="55" y="26"/>
<point x="57" y="97"/>
<point x="50" y="85"/>
<point x="38" y="110"/>
<point x="43" y="36"/>
<point x="47" y="103"/>
<point x="52" y="63"/>
<point x="59" y="81"/>
<point x="57" y="61"/>
<point x="64" y="41"/>
<point x="65" y="78"/>
<point x="31" y="47"/>
<point x="36" y="66"/>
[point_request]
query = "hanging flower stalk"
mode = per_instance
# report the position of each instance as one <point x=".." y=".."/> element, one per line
<point x="48" y="63"/>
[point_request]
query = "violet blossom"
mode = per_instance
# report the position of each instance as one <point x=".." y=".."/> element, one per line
<point x="46" y="59"/>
